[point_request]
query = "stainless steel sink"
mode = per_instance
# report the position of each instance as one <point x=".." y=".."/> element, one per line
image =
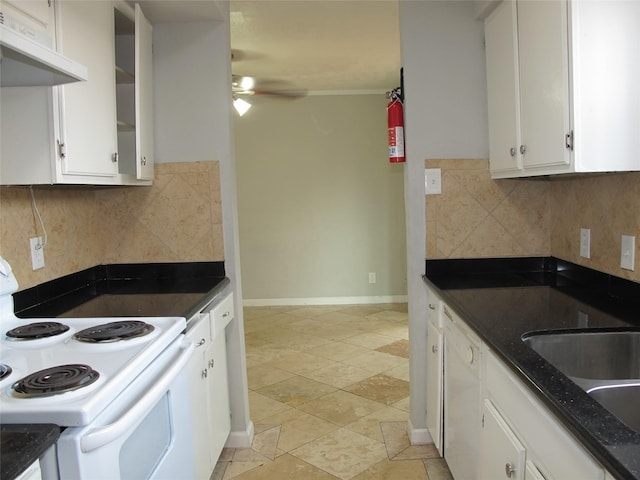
<point x="606" y="364"/>
<point x="611" y="355"/>
<point x="622" y="401"/>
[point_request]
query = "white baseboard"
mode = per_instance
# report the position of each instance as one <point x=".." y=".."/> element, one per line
<point x="418" y="436"/>
<point x="241" y="439"/>
<point x="272" y="302"/>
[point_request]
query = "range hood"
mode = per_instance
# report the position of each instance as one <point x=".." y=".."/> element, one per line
<point x="27" y="63"/>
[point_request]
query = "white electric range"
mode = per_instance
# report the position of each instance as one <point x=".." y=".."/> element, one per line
<point x="118" y="384"/>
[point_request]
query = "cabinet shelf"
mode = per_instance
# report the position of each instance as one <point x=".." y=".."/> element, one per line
<point x="123" y="77"/>
<point x="125" y="127"/>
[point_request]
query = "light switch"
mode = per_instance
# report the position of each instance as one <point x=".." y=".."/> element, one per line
<point x="628" y="252"/>
<point x="432" y="181"/>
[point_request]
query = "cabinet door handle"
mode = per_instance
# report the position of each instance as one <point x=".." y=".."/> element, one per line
<point x="201" y="342"/>
<point x="434" y="348"/>
<point x="211" y="363"/>
<point x="144" y="160"/>
<point x="432" y="306"/>
<point x="523" y="149"/>
<point x="226" y="314"/>
<point x="512" y="151"/>
<point x="114" y="157"/>
<point x="509" y="470"/>
<point x="204" y="373"/>
<point x="568" y="140"/>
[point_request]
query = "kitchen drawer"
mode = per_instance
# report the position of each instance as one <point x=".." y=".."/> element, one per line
<point x="221" y="315"/>
<point x="549" y="446"/>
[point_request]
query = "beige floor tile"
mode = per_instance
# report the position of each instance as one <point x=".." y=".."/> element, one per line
<point x="402" y="405"/>
<point x="302" y="341"/>
<point x="341" y="408"/>
<point x="399" y="447"/>
<point x="261" y="406"/>
<point x="326" y="330"/>
<point x="313" y="310"/>
<point x="401" y="372"/>
<point x="263" y="375"/>
<point x="362" y="310"/>
<point x="298" y="428"/>
<point x="301" y="363"/>
<point x="391" y="315"/>
<point x="235" y="469"/>
<point x="296" y="390"/>
<point x="381" y="388"/>
<point x="342" y="453"/>
<point x="338" y="351"/>
<point x="370" y="425"/>
<point x="286" y="467"/>
<point x="266" y="354"/>
<point x="249" y="455"/>
<point x="394" y="331"/>
<point x="339" y="375"/>
<point x="388" y="470"/>
<point x="368" y="340"/>
<point x="437" y="469"/>
<point x="376" y="362"/>
<point x="399" y="348"/>
<point x="227" y="454"/>
<point x="266" y="442"/>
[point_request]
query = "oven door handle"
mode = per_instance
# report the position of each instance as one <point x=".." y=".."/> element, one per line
<point x="101" y="436"/>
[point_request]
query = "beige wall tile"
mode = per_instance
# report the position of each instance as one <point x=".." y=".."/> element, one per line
<point x="179" y="218"/>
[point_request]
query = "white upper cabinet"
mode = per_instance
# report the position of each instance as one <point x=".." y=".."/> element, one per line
<point x="561" y="87"/>
<point x="87" y="137"/>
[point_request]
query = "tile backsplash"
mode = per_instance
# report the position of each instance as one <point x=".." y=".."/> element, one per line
<point x="179" y="218"/>
<point x="476" y="216"/>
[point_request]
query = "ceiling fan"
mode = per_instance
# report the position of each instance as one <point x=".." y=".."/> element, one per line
<point x="244" y="86"/>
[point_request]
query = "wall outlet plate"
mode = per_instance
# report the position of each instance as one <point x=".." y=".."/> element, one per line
<point x="628" y="252"/>
<point x="37" y="253"/>
<point x="585" y="242"/>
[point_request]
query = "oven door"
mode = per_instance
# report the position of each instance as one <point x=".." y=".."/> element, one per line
<point x="144" y="434"/>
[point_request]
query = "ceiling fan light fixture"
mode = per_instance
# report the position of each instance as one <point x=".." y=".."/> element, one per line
<point x="241" y="106"/>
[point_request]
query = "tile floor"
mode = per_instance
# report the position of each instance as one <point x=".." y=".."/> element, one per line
<point x="329" y="397"/>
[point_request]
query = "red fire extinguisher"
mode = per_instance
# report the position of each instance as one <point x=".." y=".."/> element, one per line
<point x="395" y="126"/>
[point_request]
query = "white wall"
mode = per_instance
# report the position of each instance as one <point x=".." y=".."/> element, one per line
<point x="446" y="117"/>
<point x="192" y="94"/>
<point x="320" y="206"/>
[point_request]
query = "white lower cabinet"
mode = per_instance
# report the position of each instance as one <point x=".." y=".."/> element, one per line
<point x="492" y="426"/>
<point x="501" y="453"/>
<point x="209" y="387"/>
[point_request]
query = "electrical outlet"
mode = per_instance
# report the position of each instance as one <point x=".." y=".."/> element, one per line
<point x="372" y="277"/>
<point x="37" y="253"/>
<point x="585" y="242"/>
<point x="628" y="252"/>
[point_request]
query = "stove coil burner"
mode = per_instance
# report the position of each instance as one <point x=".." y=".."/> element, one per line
<point x="114" y="331"/>
<point x="33" y="331"/>
<point x="54" y="380"/>
<point x="5" y="371"/>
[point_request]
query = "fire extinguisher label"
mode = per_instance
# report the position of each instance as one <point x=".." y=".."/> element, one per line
<point x="396" y="142"/>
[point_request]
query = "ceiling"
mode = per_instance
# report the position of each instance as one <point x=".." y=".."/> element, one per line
<point x="317" y="45"/>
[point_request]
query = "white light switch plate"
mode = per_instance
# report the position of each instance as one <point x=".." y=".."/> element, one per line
<point x="432" y="181"/>
<point x="628" y="252"/>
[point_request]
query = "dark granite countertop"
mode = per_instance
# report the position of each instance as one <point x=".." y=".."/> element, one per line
<point x="21" y="445"/>
<point x="502" y="299"/>
<point x="122" y="290"/>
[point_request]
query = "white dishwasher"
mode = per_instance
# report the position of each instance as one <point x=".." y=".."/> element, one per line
<point x="462" y="398"/>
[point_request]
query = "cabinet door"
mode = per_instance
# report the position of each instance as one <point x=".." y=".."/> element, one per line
<point x="218" y="392"/>
<point x="434" y="384"/>
<point x="544" y="82"/>
<point x="88" y="109"/>
<point x="501" y="453"/>
<point x="144" y="98"/>
<point x="532" y="472"/>
<point x="34" y="19"/>
<point x="199" y="391"/>
<point x="502" y="88"/>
